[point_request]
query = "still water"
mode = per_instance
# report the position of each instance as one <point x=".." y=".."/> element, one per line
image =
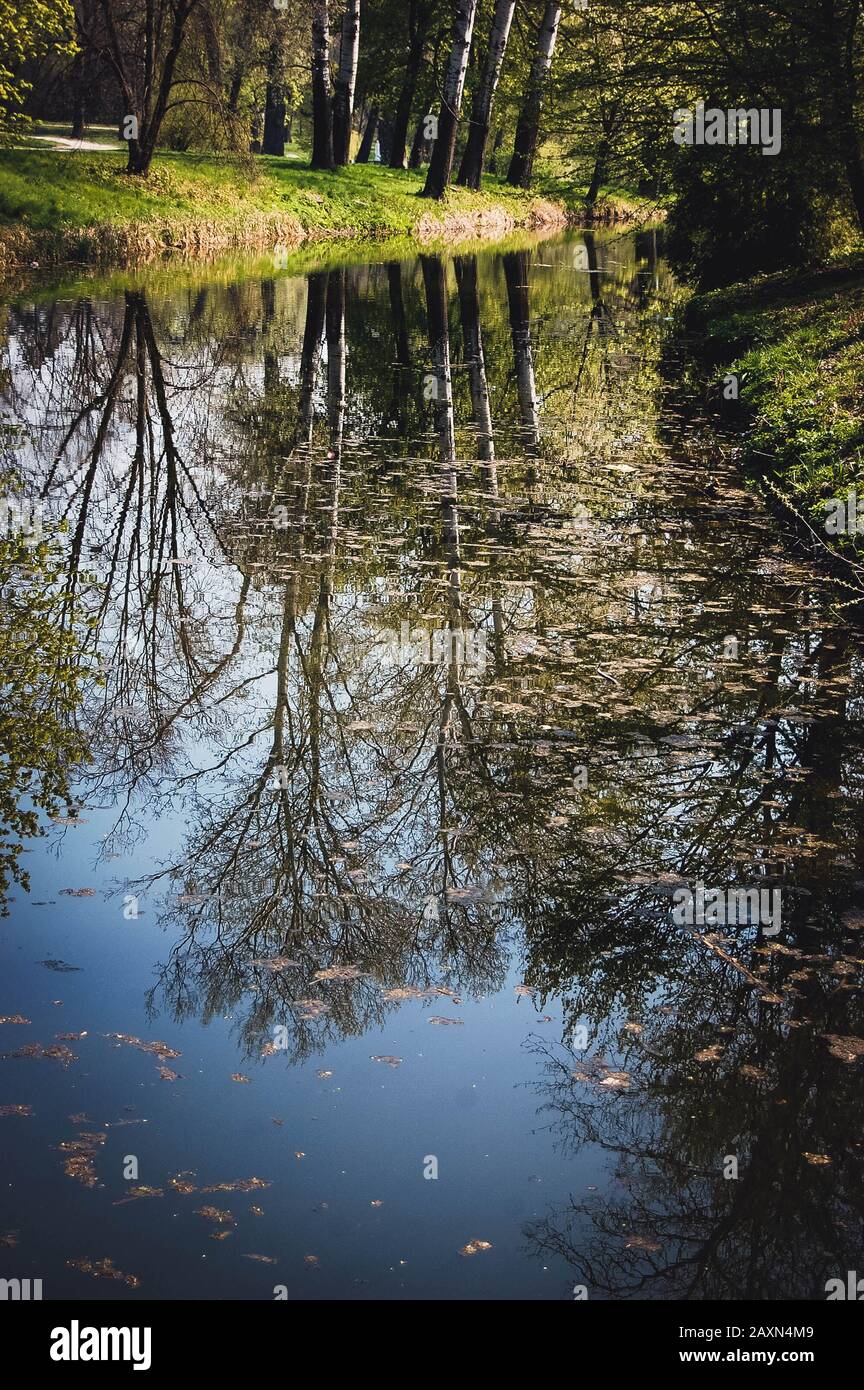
<point x="394" y="651"/>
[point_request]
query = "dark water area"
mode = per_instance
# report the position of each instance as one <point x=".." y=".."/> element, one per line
<point x="393" y="654"/>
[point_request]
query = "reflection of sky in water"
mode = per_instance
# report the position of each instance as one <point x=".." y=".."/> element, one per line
<point x="427" y="823"/>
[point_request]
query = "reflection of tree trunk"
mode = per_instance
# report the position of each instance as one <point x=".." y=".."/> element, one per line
<point x="419" y="19"/>
<point x="365" y="151"/>
<point x="441" y="164"/>
<point x="402" y="343"/>
<point x="528" y="126"/>
<point x="469" y="308"/>
<point x="481" y="109"/>
<point x="343" y="92"/>
<point x="516" y="265"/>
<point x="310" y="356"/>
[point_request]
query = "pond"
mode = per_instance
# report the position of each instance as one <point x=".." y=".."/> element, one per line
<point x="399" y="678"/>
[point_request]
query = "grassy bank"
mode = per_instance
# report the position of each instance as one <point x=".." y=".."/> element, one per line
<point x="796" y="345"/>
<point x="77" y="205"/>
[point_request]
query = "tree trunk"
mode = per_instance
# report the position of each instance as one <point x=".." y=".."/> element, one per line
<point x="274" y="102"/>
<point x="368" y="141"/>
<point x="441" y="165"/>
<point x="481" y="110"/>
<point x="415" y="159"/>
<point x="418" y="26"/>
<point x="343" y="94"/>
<point x="528" y="127"/>
<point x="322" y="113"/>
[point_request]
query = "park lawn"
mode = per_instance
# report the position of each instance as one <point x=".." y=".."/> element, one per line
<point x="71" y="194"/>
<point x="796" y="344"/>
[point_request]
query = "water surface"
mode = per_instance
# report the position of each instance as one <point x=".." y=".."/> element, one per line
<point x="394" y="651"/>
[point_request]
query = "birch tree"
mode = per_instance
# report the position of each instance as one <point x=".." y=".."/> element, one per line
<point x="346" y="82"/>
<point x="471" y="169"/>
<point x="441" y="165"/>
<point x="528" y="127"/>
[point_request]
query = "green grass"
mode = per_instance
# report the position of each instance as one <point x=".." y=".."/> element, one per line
<point x="796" y="343"/>
<point x="61" y="193"/>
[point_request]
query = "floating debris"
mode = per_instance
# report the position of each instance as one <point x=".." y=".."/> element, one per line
<point x="844" y="1046"/>
<point x="389" y="1061"/>
<point x="13" y="1018"/>
<point x="221" y="1218"/>
<point x="16" y="1110"/>
<point x="445" y="1022"/>
<point x="104" y="1269"/>
<point x="154" y="1049"/>
<point x="475" y="1246"/>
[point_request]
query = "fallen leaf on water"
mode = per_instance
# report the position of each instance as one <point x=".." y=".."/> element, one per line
<point x="523" y="991"/>
<point x="16" y="1109"/>
<point x="642" y="1243"/>
<point x="137" y="1193"/>
<point x="221" y="1235"/>
<point x="57" y="1052"/>
<point x="155" y="1049"/>
<point x="78" y="892"/>
<point x="439" y="1018"/>
<point x="311" y="1261"/>
<point x="376" y="1203"/>
<point x="222" y="1218"/>
<point x="299" y="1153"/>
<point x="338" y="972"/>
<point x="710" y="1054"/>
<point x="390" y="1061"/>
<point x="167" y="1074"/>
<point x="104" y="1269"/>
<point x="751" y="1073"/>
<point x="844" y="1046"/>
<point x="312" y="1008"/>
<point x="634" y="1028"/>
<point x="70" y="1037"/>
<point x="13" y="1018"/>
<point x="616" y="1080"/>
<point x="257" y="1211"/>
<point x="8" y="1240"/>
<point x="238" y="1076"/>
<point x="262" y="1259"/>
<point x="322" y="1074"/>
<point x="475" y="1246"/>
<point x="238" y="1185"/>
<point x="81" y="1158"/>
<point x="181" y="1182"/>
<point x="818" y="1160"/>
<point x="274" y="963"/>
<point x="60" y="965"/>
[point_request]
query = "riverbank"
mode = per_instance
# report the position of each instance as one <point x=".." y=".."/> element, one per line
<point x="70" y="205"/>
<point x="792" y="347"/>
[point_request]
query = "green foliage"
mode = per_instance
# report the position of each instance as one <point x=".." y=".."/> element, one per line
<point x="28" y="30"/>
